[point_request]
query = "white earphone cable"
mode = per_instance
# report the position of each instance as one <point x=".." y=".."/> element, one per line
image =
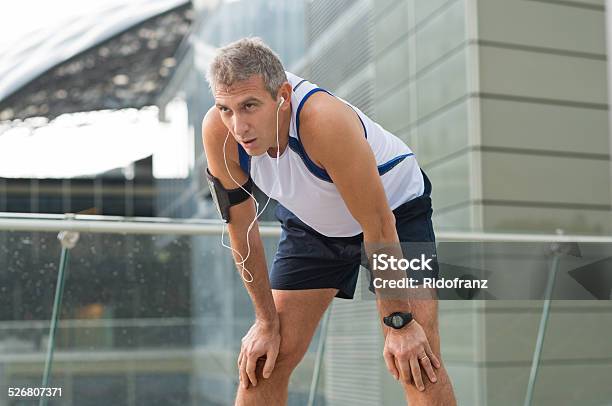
<point x="258" y="213"/>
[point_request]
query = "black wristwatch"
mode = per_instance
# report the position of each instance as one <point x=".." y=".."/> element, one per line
<point x="397" y="320"/>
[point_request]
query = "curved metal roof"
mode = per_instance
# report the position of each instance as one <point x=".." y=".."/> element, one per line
<point x="45" y="49"/>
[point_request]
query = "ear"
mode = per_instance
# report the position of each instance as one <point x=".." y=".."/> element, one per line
<point x="285" y="92"/>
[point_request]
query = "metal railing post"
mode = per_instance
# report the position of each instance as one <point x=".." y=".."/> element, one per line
<point x="314" y="383"/>
<point x="68" y="239"/>
<point x="537" y="353"/>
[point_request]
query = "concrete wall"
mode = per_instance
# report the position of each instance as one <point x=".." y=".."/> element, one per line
<point x="544" y="140"/>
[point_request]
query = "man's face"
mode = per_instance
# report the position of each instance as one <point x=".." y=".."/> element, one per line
<point x="249" y="112"/>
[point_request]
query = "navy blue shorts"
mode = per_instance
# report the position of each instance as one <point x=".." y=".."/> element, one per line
<point x="307" y="259"/>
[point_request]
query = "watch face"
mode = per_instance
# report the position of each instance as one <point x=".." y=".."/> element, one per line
<point x="397" y="321"/>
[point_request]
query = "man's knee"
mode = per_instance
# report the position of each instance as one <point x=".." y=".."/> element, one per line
<point x="291" y="352"/>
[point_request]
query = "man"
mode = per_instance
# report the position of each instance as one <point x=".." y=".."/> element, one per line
<point x="340" y="180"/>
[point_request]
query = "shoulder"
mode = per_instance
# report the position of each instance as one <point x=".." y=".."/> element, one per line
<point x="319" y="107"/>
<point x="214" y="133"/>
<point x="326" y="123"/>
<point x="212" y="126"/>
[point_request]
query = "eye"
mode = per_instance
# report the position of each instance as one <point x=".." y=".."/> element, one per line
<point x="223" y="109"/>
<point x="249" y="106"/>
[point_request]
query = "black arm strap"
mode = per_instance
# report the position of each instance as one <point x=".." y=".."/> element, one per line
<point x="225" y="198"/>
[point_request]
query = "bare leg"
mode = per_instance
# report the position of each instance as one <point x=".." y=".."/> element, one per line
<point x="300" y="312"/>
<point x="425" y="311"/>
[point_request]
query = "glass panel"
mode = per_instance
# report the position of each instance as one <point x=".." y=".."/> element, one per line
<point x="145" y="320"/>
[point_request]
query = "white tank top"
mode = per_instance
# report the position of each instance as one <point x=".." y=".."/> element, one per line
<point x="307" y="190"/>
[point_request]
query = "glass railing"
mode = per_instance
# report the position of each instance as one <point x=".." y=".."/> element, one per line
<point x="152" y="312"/>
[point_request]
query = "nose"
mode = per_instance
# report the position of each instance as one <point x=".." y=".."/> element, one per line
<point x="241" y="127"/>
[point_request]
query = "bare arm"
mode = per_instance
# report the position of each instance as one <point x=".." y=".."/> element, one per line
<point x="264" y="338"/>
<point x="332" y="131"/>
<point x="241" y="215"/>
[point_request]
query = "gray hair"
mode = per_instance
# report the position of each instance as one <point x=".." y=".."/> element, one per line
<point x="244" y="58"/>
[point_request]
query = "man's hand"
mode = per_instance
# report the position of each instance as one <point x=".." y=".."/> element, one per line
<point x="406" y="351"/>
<point x="261" y="341"/>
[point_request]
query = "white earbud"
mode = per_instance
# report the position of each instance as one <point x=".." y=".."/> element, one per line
<point x="282" y="100"/>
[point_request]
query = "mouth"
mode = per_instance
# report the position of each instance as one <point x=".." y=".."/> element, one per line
<point x="249" y="142"/>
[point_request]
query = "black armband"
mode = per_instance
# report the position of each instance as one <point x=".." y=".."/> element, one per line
<point x="226" y="198"/>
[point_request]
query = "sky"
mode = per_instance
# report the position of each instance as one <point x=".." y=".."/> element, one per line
<point x="84" y="144"/>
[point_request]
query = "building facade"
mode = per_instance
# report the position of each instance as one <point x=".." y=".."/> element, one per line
<point x="505" y="105"/>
